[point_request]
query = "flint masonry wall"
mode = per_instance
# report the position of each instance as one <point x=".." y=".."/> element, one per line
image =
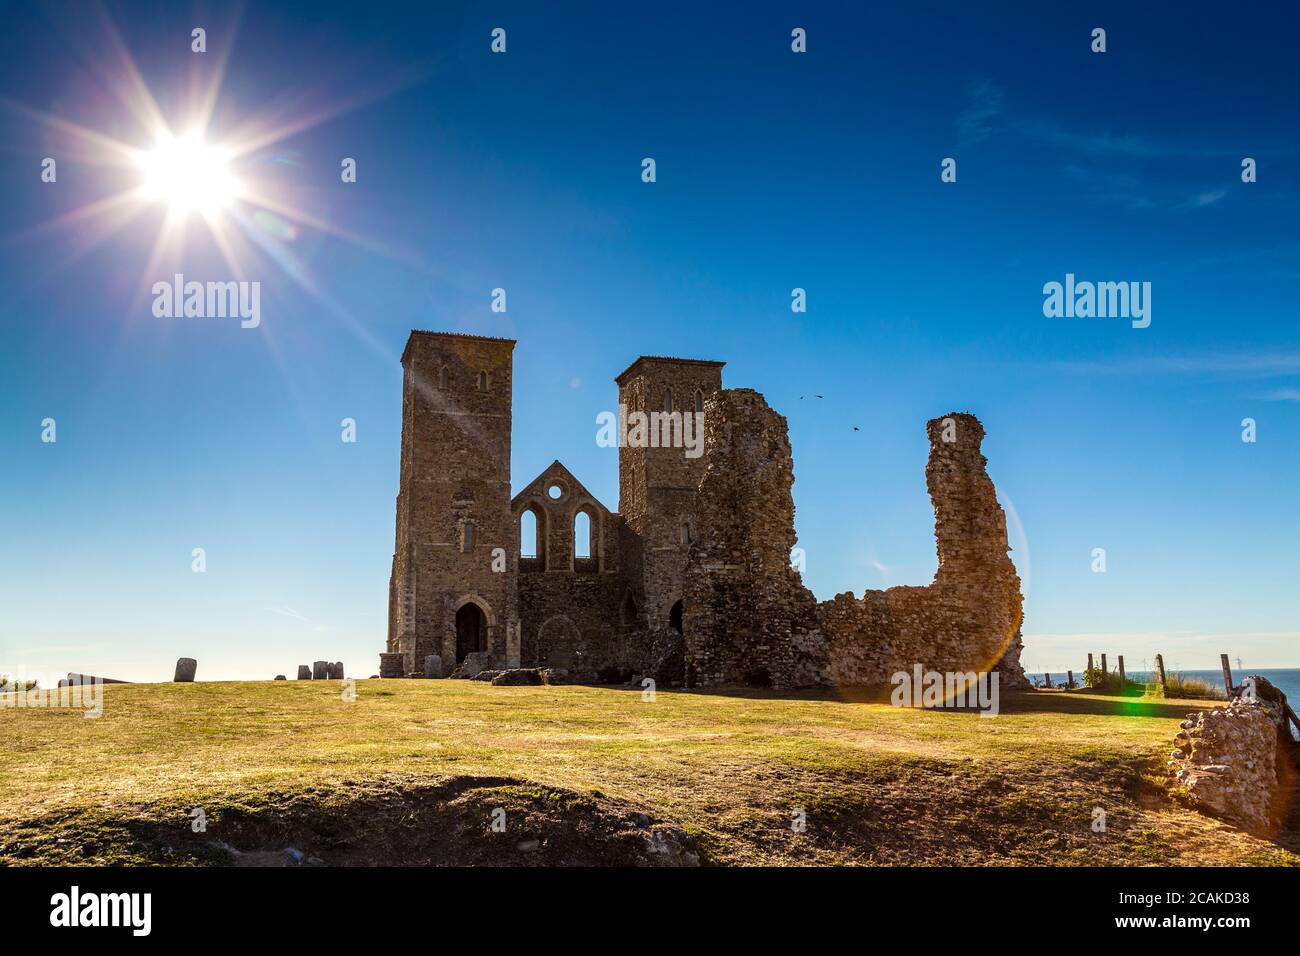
<point x="657" y="490"/>
<point x="691" y="579"/>
<point x="569" y="605"/>
<point x="1231" y="760"/>
<point x="969" y="617"/>
<point x="453" y="504"/>
<point x="748" y="616"/>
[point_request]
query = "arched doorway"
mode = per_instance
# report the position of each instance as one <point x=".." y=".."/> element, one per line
<point x="675" y="617"/>
<point x="471" y="630"/>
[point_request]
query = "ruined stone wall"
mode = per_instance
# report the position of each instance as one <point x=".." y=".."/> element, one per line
<point x="571" y="620"/>
<point x="691" y="580"/>
<point x="750" y="619"/>
<point x="658" y="486"/>
<point x="1231" y="761"/>
<point x="569" y="605"/>
<point x="969" y="618"/>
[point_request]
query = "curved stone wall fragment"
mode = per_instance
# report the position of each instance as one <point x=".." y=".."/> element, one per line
<point x="748" y="617"/>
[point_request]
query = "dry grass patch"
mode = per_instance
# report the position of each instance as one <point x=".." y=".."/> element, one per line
<point x="878" y="785"/>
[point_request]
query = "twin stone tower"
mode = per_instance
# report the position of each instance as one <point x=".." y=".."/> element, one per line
<point x="690" y="581"/>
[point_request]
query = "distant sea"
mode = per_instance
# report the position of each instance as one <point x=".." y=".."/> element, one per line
<point x="1285" y="679"/>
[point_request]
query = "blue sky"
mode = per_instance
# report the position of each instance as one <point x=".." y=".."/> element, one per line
<point x="775" y="171"/>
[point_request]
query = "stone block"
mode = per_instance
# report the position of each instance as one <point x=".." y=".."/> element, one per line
<point x="472" y="665"/>
<point x="517" y="677"/>
<point x="391" y="665"/>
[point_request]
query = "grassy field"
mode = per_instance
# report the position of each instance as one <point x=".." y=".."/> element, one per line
<point x="411" y="772"/>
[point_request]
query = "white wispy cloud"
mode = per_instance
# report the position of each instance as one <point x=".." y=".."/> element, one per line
<point x="285" y="611"/>
<point x="1208" y="198"/>
<point x="985" y="103"/>
<point x="1108" y="143"/>
<point x="985" y="112"/>
<point x="1241" y="365"/>
<point x="1125" y="188"/>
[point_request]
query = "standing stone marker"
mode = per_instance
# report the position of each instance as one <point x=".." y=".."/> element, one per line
<point x="304" y="672"/>
<point x="390" y="665"/>
<point x="185" y="670"/>
<point x="433" y="665"/>
<point x="320" y="670"/>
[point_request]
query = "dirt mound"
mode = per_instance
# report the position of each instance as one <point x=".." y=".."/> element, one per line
<point x="460" y="821"/>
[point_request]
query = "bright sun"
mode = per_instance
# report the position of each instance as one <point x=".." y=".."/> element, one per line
<point x="189" y="174"/>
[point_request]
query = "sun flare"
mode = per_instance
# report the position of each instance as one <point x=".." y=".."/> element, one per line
<point x="189" y="174"/>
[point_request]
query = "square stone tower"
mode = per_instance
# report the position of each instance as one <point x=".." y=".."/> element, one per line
<point x="452" y="592"/>
<point x="657" y="486"/>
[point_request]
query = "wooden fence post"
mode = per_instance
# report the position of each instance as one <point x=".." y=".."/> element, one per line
<point x="1103" y="664"/>
<point x="1070" y="679"/>
<point x="1227" y="673"/>
<point x="1160" y="670"/>
<point x="1121" y="670"/>
<point x="1048" y="678"/>
<point x="1089" y="662"/>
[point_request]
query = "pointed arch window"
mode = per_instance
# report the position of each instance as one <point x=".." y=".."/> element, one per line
<point x="582" y="535"/>
<point x="668" y="399"/>
<point x="467" y="537"/>
<point x="482" y="381"/>
<point x="530" y="532"/>
<point x="699" y="401"/>
<point x="444" y="377"/>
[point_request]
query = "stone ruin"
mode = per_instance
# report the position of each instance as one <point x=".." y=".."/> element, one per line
<point x="1234" y="762"/>
<point x="74" y="679"/>
<point x="749" y="618"/>
<point x="690" y="582"/>
<point x="320" y="670"/>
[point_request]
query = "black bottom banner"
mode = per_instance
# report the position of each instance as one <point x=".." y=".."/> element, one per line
<point x="176" y="904"/>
